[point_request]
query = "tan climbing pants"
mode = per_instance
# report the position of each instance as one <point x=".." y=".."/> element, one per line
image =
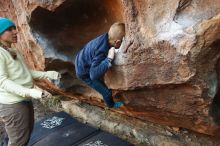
<point x="18" y="120"/>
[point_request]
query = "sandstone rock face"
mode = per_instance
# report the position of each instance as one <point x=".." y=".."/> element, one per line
<point x="168" y="75"/>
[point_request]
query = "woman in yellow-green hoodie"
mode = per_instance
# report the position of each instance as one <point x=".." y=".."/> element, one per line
<point x="16" y="87"/>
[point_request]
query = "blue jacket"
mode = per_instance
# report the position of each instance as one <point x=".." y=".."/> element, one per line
<point x="92" y="62"/>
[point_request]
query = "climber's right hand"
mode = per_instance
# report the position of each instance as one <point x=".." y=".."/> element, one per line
<point x="111" y="53"/>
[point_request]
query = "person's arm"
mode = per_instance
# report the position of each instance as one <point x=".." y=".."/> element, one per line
<point x="13" y="87"/>
<point x="99" y="67"/>
<point x="100" y="63"/>
<point x="43" y="75"/>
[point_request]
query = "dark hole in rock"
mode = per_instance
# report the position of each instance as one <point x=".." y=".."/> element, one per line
<point x="215" y="107"/>
<point x="63" y="32"/>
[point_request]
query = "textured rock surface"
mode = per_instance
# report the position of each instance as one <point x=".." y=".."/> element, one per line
<point x="169" y="75"/>
<point x="136" y="131"/>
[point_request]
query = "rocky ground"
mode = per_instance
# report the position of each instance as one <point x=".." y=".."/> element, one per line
<point x="155" y="135"/>
<point x="136" y="131"/>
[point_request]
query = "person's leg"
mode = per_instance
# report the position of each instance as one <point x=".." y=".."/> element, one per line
<point x="31" y="116"/>
<point x="16" y="118"/>
<point x="103" y="90"/>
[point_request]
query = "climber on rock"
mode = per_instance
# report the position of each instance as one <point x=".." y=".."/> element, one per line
<point x="93" y="61"/>
<point x="16" y="87"/>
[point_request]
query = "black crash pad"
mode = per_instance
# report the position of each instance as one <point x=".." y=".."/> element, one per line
<point x="104" y="139"/>
<point x="60" y="129"/>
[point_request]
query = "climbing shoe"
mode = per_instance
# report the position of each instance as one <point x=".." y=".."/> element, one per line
<point x="118" y="104"/>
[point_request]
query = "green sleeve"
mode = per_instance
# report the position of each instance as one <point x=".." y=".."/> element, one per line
<point x="12" y="87"/>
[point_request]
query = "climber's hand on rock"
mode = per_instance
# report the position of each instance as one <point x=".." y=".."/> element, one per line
<point x="111" y="53"/>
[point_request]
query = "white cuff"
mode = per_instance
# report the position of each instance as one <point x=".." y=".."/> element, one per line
<point x="35" y="93"/>
<point x="52" y="75"/>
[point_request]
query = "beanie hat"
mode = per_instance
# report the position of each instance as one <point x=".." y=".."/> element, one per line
<point x="5" y="24"/>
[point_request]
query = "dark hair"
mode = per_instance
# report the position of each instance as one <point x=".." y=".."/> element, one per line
<point x="12" y="53"/>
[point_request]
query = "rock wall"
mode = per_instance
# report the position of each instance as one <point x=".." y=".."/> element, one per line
<point x="168" y="75"/>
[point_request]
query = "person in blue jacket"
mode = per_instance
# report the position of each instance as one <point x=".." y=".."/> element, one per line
<point x="95" y="59"/>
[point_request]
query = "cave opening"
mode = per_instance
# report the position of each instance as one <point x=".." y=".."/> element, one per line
<point x="215" y="90"/>
<point x="64" y="31"/>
